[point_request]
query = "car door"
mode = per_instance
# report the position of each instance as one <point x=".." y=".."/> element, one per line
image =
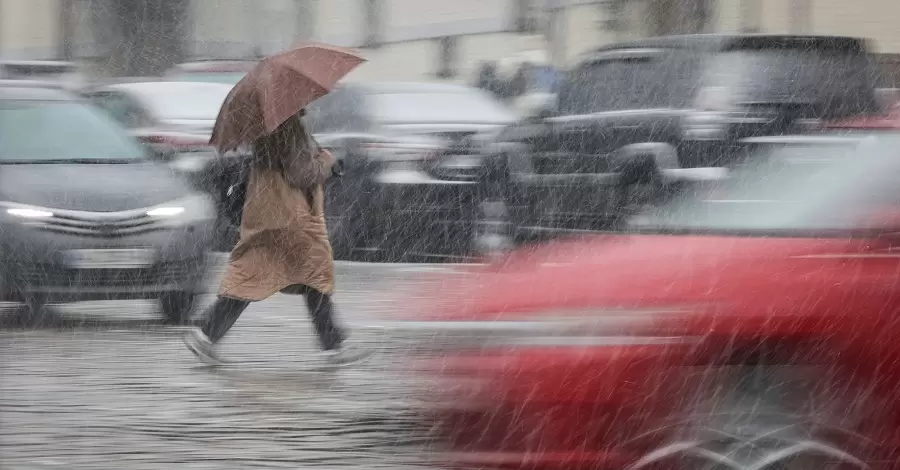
<point x="561" y="175"/>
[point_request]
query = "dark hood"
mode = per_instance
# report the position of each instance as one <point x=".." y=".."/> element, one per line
<point x="91" y="187"/>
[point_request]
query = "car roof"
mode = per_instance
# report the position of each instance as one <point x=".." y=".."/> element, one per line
<point x="162" y="86"/>
<point x="48" y="63"/>
<point x="210" y="66"/>
<point x="33" y="90"/>
<point x="407" y="87"/>
<point x="723" y="42"/>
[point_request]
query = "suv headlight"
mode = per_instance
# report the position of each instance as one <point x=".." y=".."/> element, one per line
<point x="194" y="208"/>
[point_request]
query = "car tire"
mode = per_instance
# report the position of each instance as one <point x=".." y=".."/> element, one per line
<point x="719" y="430"/>
<point x="632" y="196"/>
<point x="178" y="307"/>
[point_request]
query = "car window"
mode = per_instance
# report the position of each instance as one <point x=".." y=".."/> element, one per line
<point x="198" y="101"/>
<point x="802" y="186"/>
<point x="840" y="82"/>
<point x="51" y="130"/>
<point x="228" y="78"/>
<point x="590" y="88"/>
<point x="465" y="106"/>
<point x="122" y="108"/>
<point x="647" y="81"/>
<point x="338" y="111"/>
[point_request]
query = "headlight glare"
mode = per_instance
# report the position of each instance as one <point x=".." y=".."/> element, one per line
<point x="189" y="209"/>
<point x="167" y="211"/>
<point x="27" y="213"/>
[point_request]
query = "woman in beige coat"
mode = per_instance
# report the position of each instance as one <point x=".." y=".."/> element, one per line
<point x="283" y="244"/>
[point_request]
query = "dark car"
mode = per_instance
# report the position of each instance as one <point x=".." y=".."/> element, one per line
<point x="171" y="116"/>
<point x="411" y="154"/>
<point x="175" y="119"/>
<point x="86" y="215"/>
<point x="634" y="116"/>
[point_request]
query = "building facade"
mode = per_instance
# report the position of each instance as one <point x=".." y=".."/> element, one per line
<point x="428" y="39"/>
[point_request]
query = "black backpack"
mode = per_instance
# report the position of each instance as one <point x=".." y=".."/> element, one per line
<point x="236" y="177"/>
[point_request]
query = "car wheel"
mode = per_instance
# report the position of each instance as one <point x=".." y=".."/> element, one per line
<point x="789" y="420"/>
<point x="177" y="306"/>
<point x="632" y="197"/>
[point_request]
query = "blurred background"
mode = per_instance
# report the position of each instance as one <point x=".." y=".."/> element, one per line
<point x="403" y="39"/>
<point x="575" y="233"/>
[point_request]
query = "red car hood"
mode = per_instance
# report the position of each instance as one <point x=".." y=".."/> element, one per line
<point x="644" y="272"/>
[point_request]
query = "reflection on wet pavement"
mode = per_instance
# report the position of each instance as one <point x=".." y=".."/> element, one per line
<point x="123" y="392"/>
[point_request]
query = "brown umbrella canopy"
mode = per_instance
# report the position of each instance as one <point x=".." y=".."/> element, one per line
<point x="278" y="88"/>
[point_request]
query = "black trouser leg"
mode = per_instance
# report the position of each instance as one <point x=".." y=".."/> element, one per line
<point x="322" y="312"/>
<point x="221" y="315"/>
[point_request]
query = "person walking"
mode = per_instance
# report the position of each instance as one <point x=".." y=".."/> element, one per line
<point x="283" y="245"/>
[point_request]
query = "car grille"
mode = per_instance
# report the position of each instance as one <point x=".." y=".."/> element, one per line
<point x="458" y="144"/>
<point x="159" y="274"/>
<point x="99" y="224"/>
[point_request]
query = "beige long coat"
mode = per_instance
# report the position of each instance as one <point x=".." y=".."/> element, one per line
<point x="283" y="239"/>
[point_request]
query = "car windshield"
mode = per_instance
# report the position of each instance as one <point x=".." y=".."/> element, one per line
<point x="228" y="78"/>
<point x="836" y="80"/>
<point x="466" y="106"/>
<point x="36" y="131"/>
<point x="190" y="101"/>
<point x="792" y="187"/>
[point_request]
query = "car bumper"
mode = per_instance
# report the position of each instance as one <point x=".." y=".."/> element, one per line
<point x="34" y="262"/>
<point x="548" y="407"/>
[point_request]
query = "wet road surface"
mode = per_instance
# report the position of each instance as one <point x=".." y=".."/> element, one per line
<point x="107" y="386"/>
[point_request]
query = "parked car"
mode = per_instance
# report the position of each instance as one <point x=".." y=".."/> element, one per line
<point x="213" y="71"/>
<point x="85" y="214"/>
<point x="172" y="116"/>
<point x="66" y="74"/>
<point x="634" y="116"/>
<point x="175" y="119"/>
<point x="412" y="163"/>
<point x="747" y="324"/>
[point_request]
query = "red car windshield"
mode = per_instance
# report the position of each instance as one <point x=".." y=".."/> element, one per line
<point x="798" y="187"/>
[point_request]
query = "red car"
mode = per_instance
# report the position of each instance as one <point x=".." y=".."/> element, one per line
<point x="753" y="323"/>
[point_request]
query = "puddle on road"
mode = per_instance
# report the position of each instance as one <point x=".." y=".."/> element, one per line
<point x="123" y="393"/>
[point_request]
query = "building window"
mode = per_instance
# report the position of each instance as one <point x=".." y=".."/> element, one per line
<point x="372" y="23"/>
<point x="446" y="57"/>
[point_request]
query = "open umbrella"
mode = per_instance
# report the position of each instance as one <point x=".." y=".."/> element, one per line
<point x="277" y="88"/>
